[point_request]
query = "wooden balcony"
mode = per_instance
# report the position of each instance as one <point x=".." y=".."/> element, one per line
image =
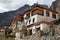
<point x="27" y="17"/>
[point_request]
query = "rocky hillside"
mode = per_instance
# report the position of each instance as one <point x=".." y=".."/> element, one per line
<point x="55" y="5"/>
<point x="54" y="34"/>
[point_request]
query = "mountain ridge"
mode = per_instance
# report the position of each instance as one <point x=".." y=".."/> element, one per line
<point x="7" y="17"/>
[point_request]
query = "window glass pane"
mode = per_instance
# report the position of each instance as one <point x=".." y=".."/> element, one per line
<point x="54" y="15"/>
<point x="28" y="15"/>
<point x="47" y="13"/>
<point x="33" y="20"/>
<point x="26" y="22"/>
<point x="29" y="21"/>
<point x="30" y="32"/>
<point x="41" y="13"/>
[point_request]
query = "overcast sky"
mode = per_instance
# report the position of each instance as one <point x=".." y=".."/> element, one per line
<point x="7" y="5"/>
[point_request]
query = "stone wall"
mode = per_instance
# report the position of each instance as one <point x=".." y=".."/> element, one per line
<point x="53" y="35"/>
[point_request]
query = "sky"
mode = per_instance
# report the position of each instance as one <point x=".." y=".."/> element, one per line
<point x="8" y="5"/>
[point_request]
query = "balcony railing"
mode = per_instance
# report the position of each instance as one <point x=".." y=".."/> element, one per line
<point x="33" y="15"/>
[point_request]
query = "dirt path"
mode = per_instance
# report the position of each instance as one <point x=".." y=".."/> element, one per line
<point x="2" y="36"/>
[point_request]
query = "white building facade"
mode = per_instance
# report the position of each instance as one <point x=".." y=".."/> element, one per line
<point x="33" y="18"/>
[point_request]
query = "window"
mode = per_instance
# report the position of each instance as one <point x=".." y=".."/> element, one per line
<point x="31" y="14"/>
<point x="54" y="15"/>
<point x="33" y="20"/>
<point x="29" y="21"/>
<point x="41" y="13"/>
<point x="26" y="22"/>
<point x="30" y="32"/>
<point x="28" y="15"/>
<point x="33" y="31"/>
<point x="38" y="28"/>
<point x="47" y="14"/>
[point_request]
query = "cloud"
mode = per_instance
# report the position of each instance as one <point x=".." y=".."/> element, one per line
<point x="15" y="4"/>
<point x="48" y="2"/>
<point x="2" y="8"/>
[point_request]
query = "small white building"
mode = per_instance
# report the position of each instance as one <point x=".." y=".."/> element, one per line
<point x="35" y="15"/>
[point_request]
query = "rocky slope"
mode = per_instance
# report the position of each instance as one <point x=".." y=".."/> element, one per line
<point x="55" y="5"/>
<point x="50" y="36"/>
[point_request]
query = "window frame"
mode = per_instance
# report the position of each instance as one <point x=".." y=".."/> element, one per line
<point x="54" y="16"/>
<point x="33" y="20"/>
<point x="47" y="13"/>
